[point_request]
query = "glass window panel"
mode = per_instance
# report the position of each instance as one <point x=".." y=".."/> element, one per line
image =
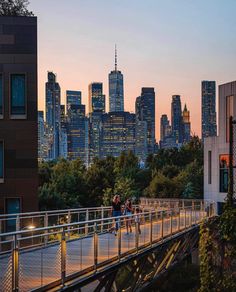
<point x="224" y="172"/>
<point x="18" y="94"/>
<point x="1" y="94"/>
<point x="1" y="160"/>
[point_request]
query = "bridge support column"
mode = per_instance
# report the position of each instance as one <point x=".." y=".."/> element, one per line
<point x="15" y="265"/>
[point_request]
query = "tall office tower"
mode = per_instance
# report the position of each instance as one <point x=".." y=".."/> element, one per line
<point x="63" y="133"/>
<point x="116" y="89"/>
<point x="117" y="134"/>
<point x="96" y="98"/>
<point x="209" y="128"/>
<point x="141" y="150"/>
<point x="145" y="111"/>
<point x="95" y="119"/>
<point x="53" y="113"/>
<point x="73" y="97"/>
<point x="165" y="128"/>
<point x="77" y="133"/>
<point x="176" y="119"/>
<point x="18" y="116"/>
<point x="41" y="135"/>
<point x="186" y="125"/>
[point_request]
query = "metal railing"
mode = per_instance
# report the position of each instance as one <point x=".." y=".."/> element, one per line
<point x="50" y="256"/>
<point x="31" y="220"/>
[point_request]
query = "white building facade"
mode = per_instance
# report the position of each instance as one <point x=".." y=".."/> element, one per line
<point x="216" y="149"/>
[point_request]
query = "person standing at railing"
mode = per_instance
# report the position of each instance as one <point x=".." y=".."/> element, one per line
<point x="128" y="208"/>
<point x="116" y="211"/>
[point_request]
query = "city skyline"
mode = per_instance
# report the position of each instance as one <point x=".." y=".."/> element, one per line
<point x="167" y="55"/>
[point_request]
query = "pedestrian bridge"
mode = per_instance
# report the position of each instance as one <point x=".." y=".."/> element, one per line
<point x="74" y="249"/>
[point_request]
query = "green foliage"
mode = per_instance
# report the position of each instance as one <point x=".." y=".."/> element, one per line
<point x="14" y="8"/>
<point x="218" y="253"/>
<point x="177" y="173"/>
<point x="169" y="173"/>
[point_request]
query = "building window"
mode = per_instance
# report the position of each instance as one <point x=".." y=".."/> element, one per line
<point x="209" y="168"/>
<point x="1" y="161"/>
<point x="224" y="172"/>
<point x="1" y="96"/>
<point x="18" y="95"/>
<point x="229" y="113"/>
<point x="12" y="207"/>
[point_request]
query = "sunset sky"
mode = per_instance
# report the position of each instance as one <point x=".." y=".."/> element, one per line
<point x="169" y="44"/>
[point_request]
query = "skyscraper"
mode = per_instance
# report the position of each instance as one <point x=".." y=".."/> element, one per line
<point x="145" y="111"/>
<point x="141" y="150"/>
<point x="117" y="133"/>
<point x="186" y="125"/>
<point x="73" y="97"/>
<point x="63" y="133"/>
<point x="77" y="133"/>
<point x="209" y="128"/>
<point x="41" y="132"/>
<point x="96" y="97"/>
<point x="53" y="112"/>
<point x="176" y="119"/>
<point x="116" y="89"/>
<point x="165" y="128"/>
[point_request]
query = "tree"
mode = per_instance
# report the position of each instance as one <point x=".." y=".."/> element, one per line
<point x="14" y="8"/>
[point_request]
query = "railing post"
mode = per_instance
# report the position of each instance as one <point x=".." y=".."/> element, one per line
<point x="17" y="223"/>
<point x="63" y="257"/>
<point x="136" y="235"/>
<point x="102" y="217"/>
<point x="185" y="219"/>
<point x="162" y="224"/>
<point x="86" y="224"/>
<point x="179" y="219"/>
<point x="119" y="239"/>
<point x="171" y="227"/>
<point x="45" y="224"/>
<point x="15" y="265"/>
<point x="68" y="222"/>
<point x="95" y="244"/>
<point x="150" y="219"/>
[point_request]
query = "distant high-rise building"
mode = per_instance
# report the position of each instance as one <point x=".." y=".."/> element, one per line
<point x="63" y="133"/>
<point x="41" y="133"/>
<point x="95" y="119"/>
<point x="77" y="133"/>
<point x="73" y="97"/>
<point x="96" y="97"/>
<point x="209" y="128"/>
<point x="145" y="111"/>
<point x="141" y="150"/>
<point x="186" y="125"/>
<point x="176" y="119"/>
<point x="53" y="112"/>
<point x="116" y="89"/>
<point x="117" y="133"/>
<point x="165" y="128"/>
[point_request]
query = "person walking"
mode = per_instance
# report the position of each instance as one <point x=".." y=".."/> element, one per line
<point x="116" y="211"/>
<point x="128" y="212"/>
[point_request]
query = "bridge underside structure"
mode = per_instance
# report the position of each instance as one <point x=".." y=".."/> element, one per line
<point x="136" y="272"/>
<point x="86" y="256"/>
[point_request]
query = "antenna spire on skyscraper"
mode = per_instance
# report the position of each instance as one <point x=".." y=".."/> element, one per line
<point x="115" y="58"/>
